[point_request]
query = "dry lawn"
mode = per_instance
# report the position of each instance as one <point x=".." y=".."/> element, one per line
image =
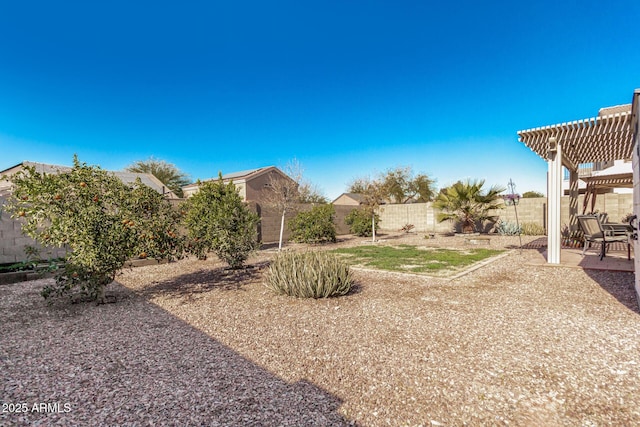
<point x="191" y="343"/>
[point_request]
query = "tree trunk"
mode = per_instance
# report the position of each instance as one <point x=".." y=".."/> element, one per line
<point x="281" y="230"/>
<point x="373" y="226"/>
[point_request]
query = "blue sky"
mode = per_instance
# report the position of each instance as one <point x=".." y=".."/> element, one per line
<point x="349" y="88"/>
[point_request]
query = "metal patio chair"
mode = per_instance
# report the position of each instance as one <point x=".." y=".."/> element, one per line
<point x="603" y="234"/>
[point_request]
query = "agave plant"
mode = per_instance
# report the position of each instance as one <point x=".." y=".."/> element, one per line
<point x="467" y="203"/>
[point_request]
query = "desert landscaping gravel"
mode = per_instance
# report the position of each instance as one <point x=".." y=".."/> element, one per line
<point x="192" y="343"/>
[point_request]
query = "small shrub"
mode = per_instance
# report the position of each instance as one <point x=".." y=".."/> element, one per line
<point x="309" y="275"/>
<point x="571" y="238"/>
<point x="359" y="222"/>
<point x="314" y="226"/>
<point x="532" y="229"/>
<point x="218" y="220"/>
<point x="508" y="228"/>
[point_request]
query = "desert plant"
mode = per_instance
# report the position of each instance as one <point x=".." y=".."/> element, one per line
<point x="314" y="226"/>
<point x="467" y="203"/>
<point x="407" y="228"/>
<point x="571" y="238"/>
<point x="359" y="222"/>
<point x="218" y="220"/>
<point x="309" y="275"/>
<point x="532" y="229"/>
<point x="102" y="221"/>
<point x="508" y="228"/>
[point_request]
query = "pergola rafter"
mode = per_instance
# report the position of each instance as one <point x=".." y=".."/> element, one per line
<point x="607" y="137"/>
<point x="596" y="139"/>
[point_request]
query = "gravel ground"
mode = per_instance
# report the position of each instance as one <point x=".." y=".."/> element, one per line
<point x="191" y="343"/>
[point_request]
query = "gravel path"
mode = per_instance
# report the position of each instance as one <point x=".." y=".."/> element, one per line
<point x="191" y="343"/>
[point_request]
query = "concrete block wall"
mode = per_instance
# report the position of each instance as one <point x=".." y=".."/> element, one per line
<point x="270" y="218"/>
<point x="533" y="210"/>
<point x="13" y="242"/>
<point x="421" y="215"/>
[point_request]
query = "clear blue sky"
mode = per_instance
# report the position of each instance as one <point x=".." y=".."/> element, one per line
<point x="349" y="88"/>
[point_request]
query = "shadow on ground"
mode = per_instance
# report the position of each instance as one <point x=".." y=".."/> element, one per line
<point x="621" y="285"/>
<point x="132" y="363"/>
<point x="607" y="272"/>
<point x="207" y="279"/>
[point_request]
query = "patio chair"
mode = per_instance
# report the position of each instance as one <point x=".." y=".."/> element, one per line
<point x="595" y="232"/>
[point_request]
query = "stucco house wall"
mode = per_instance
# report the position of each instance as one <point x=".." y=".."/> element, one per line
<point x="252" y="185"/>
<point x="348" y="199"/>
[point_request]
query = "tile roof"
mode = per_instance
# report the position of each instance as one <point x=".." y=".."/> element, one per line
<point x="126" y="177"/>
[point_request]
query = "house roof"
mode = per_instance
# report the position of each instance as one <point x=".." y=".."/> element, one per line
<point x="244" y="174"/>
<point x="353" y="196"/>
<point x="240" y="176"/>
<point x="126" y="177"/>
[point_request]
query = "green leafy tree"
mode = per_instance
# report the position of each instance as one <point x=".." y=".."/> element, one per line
<point x="532" y="194"/>
<point x="468" y="203"/>
<point x="99" y="219"/>
<point x="402" y="185"/>
<point x="314" y="226"/>
<point x="166" y="172"/>
<point x="218" y="220"/>
<point x="359" y="222"/>
<point x="310" y="193"/>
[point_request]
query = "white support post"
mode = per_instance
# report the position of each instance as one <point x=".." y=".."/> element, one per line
<point x="554" y="161"/>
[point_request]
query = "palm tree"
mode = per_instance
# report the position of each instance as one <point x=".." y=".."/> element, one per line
<point x="167" y="173"/>
<point x="467" y="203"/>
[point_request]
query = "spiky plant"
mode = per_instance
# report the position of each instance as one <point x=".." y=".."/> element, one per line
<point x="468" y="203"/>
<point x="309" y="275"/>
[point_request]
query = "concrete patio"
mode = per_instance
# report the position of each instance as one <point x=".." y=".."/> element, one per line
<point x="616" y="259"/>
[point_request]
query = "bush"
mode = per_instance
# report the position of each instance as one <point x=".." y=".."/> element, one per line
<point x="532" y="229"/>
<point x="218" y="220"/>
<point x="314" y="226"/>
<point x="102" y="221"/>
<point x="508" y="228"/>
<point x="309" y="275"/>
<point x="359" y="222"/>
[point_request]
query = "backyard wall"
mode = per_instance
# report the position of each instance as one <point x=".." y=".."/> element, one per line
<point x="13" y="243"/>
<point x="423" y="215"/>
<point x="270" y="218"/>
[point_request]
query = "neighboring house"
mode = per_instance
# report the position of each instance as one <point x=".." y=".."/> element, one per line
<point x="348" y="199"/>
<point x="613" y="176"/>
<point x="126" y="177"/>
<point x="252" y="185"/>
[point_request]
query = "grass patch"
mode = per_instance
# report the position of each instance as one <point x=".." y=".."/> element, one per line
<point x="413" y="259"/>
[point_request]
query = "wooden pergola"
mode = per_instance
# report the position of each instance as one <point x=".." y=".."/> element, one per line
<point x="598" y="182"/>
<point x="607" y="137"/>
